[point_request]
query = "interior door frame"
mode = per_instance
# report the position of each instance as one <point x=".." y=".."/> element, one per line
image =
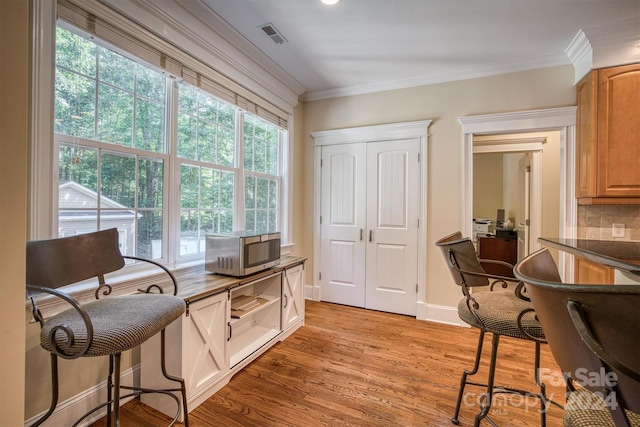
<point x="561" y="119"/>
<point x="402" y="130"/>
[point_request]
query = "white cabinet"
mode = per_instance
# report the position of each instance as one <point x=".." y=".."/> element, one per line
<point x="196" y="351"/>
<point x="220" y="333"/>
<point x="292" y="296"/>
<point x="255" y="316"/>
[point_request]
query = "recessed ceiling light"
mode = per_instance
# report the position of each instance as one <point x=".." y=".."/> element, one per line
<point x="330" y="2"/>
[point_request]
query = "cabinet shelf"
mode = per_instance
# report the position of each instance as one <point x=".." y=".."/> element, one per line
<point x="244" y="345"/>
<point x="260" y="302"/>
<point x="259" y="322"/>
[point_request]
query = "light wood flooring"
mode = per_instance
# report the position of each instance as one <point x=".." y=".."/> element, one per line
<point x="356" y="367"/>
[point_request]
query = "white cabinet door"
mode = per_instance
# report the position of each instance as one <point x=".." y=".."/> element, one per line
<point x="205" y="356"/>
<point x="196" y="350"/>
<point x="393" y="188"/>
<point x="292" y="296"/>
<point x="343" y="223"/>
<point x="369" y="232"/>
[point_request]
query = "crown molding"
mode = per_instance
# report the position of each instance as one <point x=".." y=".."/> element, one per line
<point x="581" y="54"/>
<point x="452" y="75"/>
<point x="223" y="48"/>
<point x="605" y="46"/>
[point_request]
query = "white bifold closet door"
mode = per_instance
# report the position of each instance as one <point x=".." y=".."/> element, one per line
<point x="369" y="240"/>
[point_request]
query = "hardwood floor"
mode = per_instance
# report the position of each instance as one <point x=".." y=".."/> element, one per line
<point x="356" y="367"/>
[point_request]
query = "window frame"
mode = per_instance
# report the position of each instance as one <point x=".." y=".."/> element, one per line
<point x="44" y="186"/>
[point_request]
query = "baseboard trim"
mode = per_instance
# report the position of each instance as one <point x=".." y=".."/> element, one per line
<point x="440" y="314"/>
<point x="312" y="292"/>
<point x="68" y="411"/>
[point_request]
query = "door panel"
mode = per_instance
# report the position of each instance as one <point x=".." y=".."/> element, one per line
<point x="205" y="331"/>
<point x="393" y="179"/>
<point x="343" y="221"/>
<point x="293" y="296"/>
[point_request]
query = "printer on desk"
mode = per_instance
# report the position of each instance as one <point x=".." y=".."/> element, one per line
<point x="482" y="228"/>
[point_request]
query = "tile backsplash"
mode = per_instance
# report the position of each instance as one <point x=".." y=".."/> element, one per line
<point x="595" y="221"/>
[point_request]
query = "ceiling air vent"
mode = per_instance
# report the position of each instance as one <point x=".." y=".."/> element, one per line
<point x="273" y="33"/>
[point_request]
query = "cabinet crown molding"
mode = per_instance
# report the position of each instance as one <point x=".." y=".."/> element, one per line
<point x="605" y="46"/>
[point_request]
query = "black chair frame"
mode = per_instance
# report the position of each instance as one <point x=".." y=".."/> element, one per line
<point x="104" y="289"/>
<point x="467" y="279"/>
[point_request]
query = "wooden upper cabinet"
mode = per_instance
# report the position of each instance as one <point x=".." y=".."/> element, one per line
<point x="586" y="133"/>
<point x="619" y="132"/>
<point x="608" y="136"/>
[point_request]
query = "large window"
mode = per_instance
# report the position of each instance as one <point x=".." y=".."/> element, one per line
<point x="164" y="162"/>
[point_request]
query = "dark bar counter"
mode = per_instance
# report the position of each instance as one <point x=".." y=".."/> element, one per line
<point x="622" y="254"/>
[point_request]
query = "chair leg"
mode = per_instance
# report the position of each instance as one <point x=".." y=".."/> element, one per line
<point x="183" y="388"/>
<point x="54" y="391"/>
<point x="487" y="398"/>
<point x="543" y="395"/>
<point x="463" y="380"/>
<point x="110" y="391"/>
<point x="116" y="391"/>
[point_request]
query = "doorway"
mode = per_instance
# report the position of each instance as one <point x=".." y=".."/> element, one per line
<point x="561" y="120"/>
<point x="507" y="186"/>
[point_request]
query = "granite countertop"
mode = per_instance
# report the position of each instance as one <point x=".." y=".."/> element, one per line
<point x="620" y="254"/>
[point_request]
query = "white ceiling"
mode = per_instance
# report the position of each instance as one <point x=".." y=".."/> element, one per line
<point x="360" y="46"/>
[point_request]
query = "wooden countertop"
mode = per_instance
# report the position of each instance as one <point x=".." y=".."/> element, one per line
<point x="622" y="254"/>
<point x="200" y="284"/>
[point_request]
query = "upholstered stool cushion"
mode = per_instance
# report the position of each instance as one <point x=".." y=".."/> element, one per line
<point x="498" y="312"/>
<point x="586" y="409"/>
<point x="119" y="323"/>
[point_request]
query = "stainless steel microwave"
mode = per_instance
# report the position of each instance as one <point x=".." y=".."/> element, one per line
<point x="241" y="254"/>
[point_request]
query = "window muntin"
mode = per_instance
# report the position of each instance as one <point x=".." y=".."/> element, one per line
<point x="261" y="153"/>
<point x="113" y="116"/>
